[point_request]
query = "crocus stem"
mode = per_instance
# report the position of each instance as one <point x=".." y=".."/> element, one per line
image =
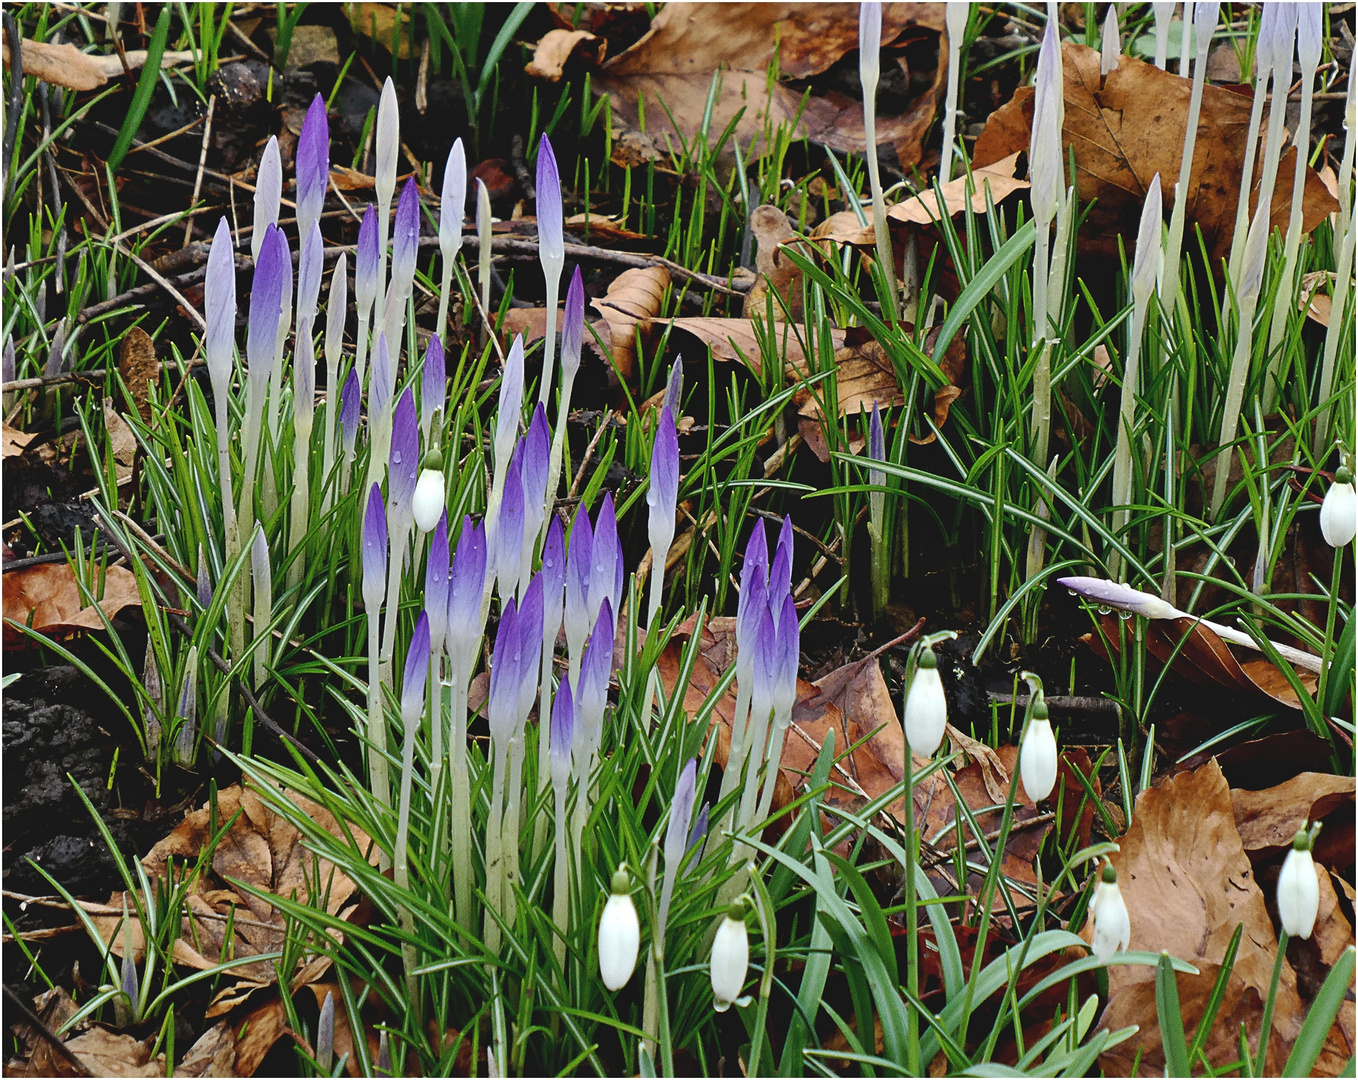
<point x="560" y="883"/>
<point x="775" y="756"/>
<point x="544" y="743"/>
<point x="395" y="565"/>
<point x="401" y="861"/>
<point x="377" y="728"/>
<point x="1169" y="281"/>
<point x="1235" y="394"/>
<point x="1042" y="372"/>
<point x="494" y="842"/>
<point x="460" y="824"/>
<point x="559" y="441"/>
<point x="509" y="837"/>
<point x="759" y="731"/>
<point x="1122" y="458"/>
<point x="361" y="347"/>
<point x="735" y="760"/>
<point x="549" y="341"/>
<point x="434" y="688"/>
<point x="301" y="497"/>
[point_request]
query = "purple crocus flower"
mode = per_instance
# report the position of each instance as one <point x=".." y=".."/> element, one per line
<point x="365" y="262"/>
<point x="754" y="601"/>
<point x="349" y="412"/>
<point x="606" y="559"/>
<point x="507" y="413"/>
<point x="405" y="239"/>
<point x="503" y="699"/>
<point x="579" y="559"/>
<point x="268" y="195"/>
<point x="573" y="330"/>
<point x="788" y="658"/>
<point x="285" y="304"/>
<point x="313" y="165"/>
<point x="664" y="490"/>
<point x="780" y="573"/>
<point x="509" y="532"/>
<point x="466" y="585"/>
<point x="436" y="585"/>
<point x="756" y="555"/>
<point x="551" y="241"/>
<point x="676" y="835"/>
<point x="553" y="581"/>
<point x="592" y="698"/>
<point x="537" y="454"/>
<point x="562" y="736"/>
<point x="674" y="388"/>
<point x="380" y="383"/>
<point x="530" y="645"/>
<point x="405" y="458"/>
<point x="434" y="385"/>
<point x="417" y="668"/>
<point x="374" y="551"/>
<point x="765" y="676"/>
<point x="309" y="267"/>
<point x="219" y="307"/>
<point x="266" y="300"/>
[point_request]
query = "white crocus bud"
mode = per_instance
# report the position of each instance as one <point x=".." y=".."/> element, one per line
<point x="730" y="957"/>
<point x="619" y="934"/>
<point x="428" y="500"/>
<point x="1037" y="759"/>
<point x="926" y="707"/>
<point x="1111" y="52"/>
<point x="1112" y="927"/>
<point x="1339" y="511"/>
<point x="1298" y="889"/>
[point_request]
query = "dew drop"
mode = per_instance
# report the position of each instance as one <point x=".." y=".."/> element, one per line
<point x="1124" y="615"/>
<point x="1104" y="609"/>
<point x="396" y="457"/>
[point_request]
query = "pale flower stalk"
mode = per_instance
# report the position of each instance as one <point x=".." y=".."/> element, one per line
<point x="310" y="266"/>
<point x="572" y="342"/>
<point x="270" y="493"/>
<point x="262" y="575"/>
<point x="1263" y="68"/>
<point x="365" y="288"/>
<point x="412" y="708"/>
<point x="483" y="250"/>
<point x="956" y="15"/>
<point x="465" y="623"/>
<point x="1047" y="173"/>
<point x="1164" y="14"/>
<point x="374" y="540"/>
<point x="336" y="308"/>
<point x="869" y="71"/>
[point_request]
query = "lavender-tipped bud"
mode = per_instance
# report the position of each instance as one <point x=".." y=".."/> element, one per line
<point x="510" y="407"/>
<point x="349" y="413"/>
<point x="551" y="241"/>
<point x="219" y="307"/>
<point x="310" y="265"/>
<point x="562" y="735"/>
<point x="204" y="581"/>
<point x="663" y="496"/>
<point x="553" y="581"/>
<point x="676" y="835"/>
<point x="573" y="330"/>
<point x="1044" y="148"/>
<point x="606" y="558"/>
<point x="388" y="142"/>
<point x="266" y="303"/>
<point x="756" y="555"/>
<point x="434" y="383"/>
<point x="335" y="309"/>
<point x="1149" y="250"/>
<point x="537" y="455"/>
<point x="405" y="239"/>
<point x="380" y="381"/>
<point x="788" y="659"/>
<point x="503" y="697"/>
<point x="530" y="645"/>
<point x="325" y="1034"/>
<point x="1123" y="597"/>
<point x="313" y="165"/>
<point x="870" y="43"/>
<point x="454" y="201"/>
<point x="1310" y="34"/>
<point x="268" y="195"/>
<point x="1111" y="50"/>
<point x="405" y="458"/>
<point x="579" y="560"/>
<point x="365" y="262"/>
<point x="417" y="668"/>
<point x="374" y="551"/>
<point x="595" y="669"/>
<point x="466" y="585"/>
<point x="674" y="389"/>
<point x="509" y="531"/>
<point x="186" y="736"/>
<point x="436" y="584"/>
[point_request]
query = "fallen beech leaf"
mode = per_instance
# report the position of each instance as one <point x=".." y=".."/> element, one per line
<point x="557" y="46"/>
<point x="107" y="1054"/>
<point x="1125" y="130"/>
<point x="1268" y="820"/>
<point x="138" y="366"/>
<point x="257" y="1032"/>
<point x="112" y="67"/>
<point x="263" y="850"/>
<point x="777" y="272"/>
<point x="675" y="61"/>
<point x="16" y="441"/>
<point x="50" y="594"/>
<point x="530" y="323"/>
<point x="634" y="298"/>
<point x="598" y="228"/>
<point x="214" y="1054"/>
<point x="121" y="441"/>
<point x="389" y="27"/>
<point x="739" y="339"/>
<point x="347" y="179"/>
<point x="60" y="65"/>
<point x="1187" y="882"/>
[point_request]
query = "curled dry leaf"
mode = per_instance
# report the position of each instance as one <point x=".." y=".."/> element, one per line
<point x="632" y="300"/>
<point x="1317" y="298"/>
<point x="744" y="340"/>
<point x="557" y="46"/>
<point x="1267" y="820"/>
<point x="689" y="44"/>
<point x="777" y="273"/>
<point x="60" y="65"/>
<point x="1124" y="130"/>
<point x="16" y="441"/>
<point x="261" y="849"/>
<point x="50" y="595"/>
<point x="139" y="368"/>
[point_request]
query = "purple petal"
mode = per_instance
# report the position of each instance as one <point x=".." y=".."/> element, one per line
<point x="309" y="268"/>
<point x="434" y="385"/>
<point x="606" y="557"/>
<point x="405" y="237"/>
<point x="436" y="582"/>
<point x="417" y="668"/>
<point x="365" y="261"/>
<point x="674" y="389"/>
<point x="765" y="656"/>
<point x="380" y="380"/>
<point x="349" y="411"/>
<point x="789" y="647"/>
<point x="756" y="555"/>
<point x="509" y="532"/>
<point x="664" y="491"/>
<point x="313" y="163"/>
<point x="596" y="668"/>
<point x="508" y="411"/>
<point x="681" y="810"/>
<point x="268" y="195"/>
<point x="563" y="730"/>
<point x="504" y="673"/>
<point x="219" y="304"/>
<point x="754" y="602"/>
<point x="551" y="241"/>
<point x="876" y="437"/>
<point x="285" y="303"/>
<point x="374" y="545"/>
<point x="553" y="580"/>
<point x="579" y="558"/>
<point x="537" y="453"/>
<point x="530" y="643"/>
<point x="467" y="580"/>
<point x="699" y="831"/>
<point x="266" y="301"/>
<point x="573" y="332"/>
<point x="405" y="455"/>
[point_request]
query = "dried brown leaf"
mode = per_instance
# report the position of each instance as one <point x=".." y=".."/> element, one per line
<point x="16" y="441"/>
<point x="214" y="1054"/>
<point x="632" y="300"/>
<point x="739" y="340"/>
<point x="387" y="26"/>
<point x="1267" y="820"/>
<point x="50" y="594"/>
<point x="556" y="48"/>
<point x="60" y="65"/>
<point x="138" y="366"/>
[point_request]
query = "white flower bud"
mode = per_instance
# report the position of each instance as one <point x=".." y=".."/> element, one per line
<point x="427" y="502"/>
<point x="1298" y="889"/>
<point x="730" y="958"/>
<point x="926" y="707"/>
<point x="1112" y="927"/>
<point x="1037" y="758"/>
<point x="619" y="934"/>
<point x="1339" y="511"/>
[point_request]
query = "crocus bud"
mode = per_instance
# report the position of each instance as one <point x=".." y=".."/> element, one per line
<point x="433" y="385"/>
<point x="1309" y="35"/>
<point x="405" y="458"/>
<point x="663" y="494"/>
<point x="204" y="581"/>
<point x="787" y="654"/>
<point x="374" y="551"/>
<point x="606" y="558"/>
<point x="405" y="240"/>
<point x="579" y="558"/>
<point x="313" y="165"/>
<point x="553" y="581"/>
<point x="509" y="409"/>
<point x="562" y="735"/>
<point x="573" y="330"/>
<point x="502" y="700"/>
<point x="674" y="388"/>
<point x="219" y="306"/>
<point x="1123" y="597"/>
<point x="730" y="956"/>
<point x="509" y="530"/>
<point x="285" y="304"/>
<point x="416" y="669"/>
<point x="335" y="310"/>
<point x="380" y="381"/>
<point x="388" y="143"/>
<point x="268" y="195"/>
<point x="1111" y="50"/>
<point x="676" y="836"/>
<point x="1044" y="148"/>
<point x="1298" y="889"/>
<point x="619" y="934"/>
<point x="453" y="202"/>
<point x="592" y="697"/>
<point x="1339" y="511"/>
<point x="756" y="555"/>
<point x="537" y="454"/>
<point x="870" y="43"/>
<point x="436" y="582"/>
<point x="266" y="300"/>
<point x="365" y="261"/>
<point x="310" y="265"/>
<point x="1149" y="250"/>
<point x="530" y="645"/>
<point x="427" y="504"/>
<point x="753" y="606"/>
<point x="350" y="405"/>
<point x="780" y="572"/>
<point x="187" y="734"/>
<point x="1037" y="758"/>
<point x="551" y="239"/>
<point x="926" y="706"/>
<point x="466" y="584"/>
<point x="1112" y="927"/>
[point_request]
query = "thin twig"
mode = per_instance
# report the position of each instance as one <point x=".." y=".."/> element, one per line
<point x="202" y="164"/>
<point x="54" y="1040"/>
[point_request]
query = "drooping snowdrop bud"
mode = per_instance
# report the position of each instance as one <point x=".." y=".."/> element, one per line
<point x="663" y="495"/>
<point x="374" y="551"/>
<point x="268" y="195"/>
<point x="219" y="306"/>
<point x="730" y="956"/>
<point x="1339" y="511"/>
<point x="1044" y="148"/>
<point x="926" y="706"/>
<point x="1298" y="889"/>
<point x="365" y="262"/>
<point x="310" y="265"/>
<point x="562" y="735"/>
<point x="433" y="384"/>
<point x="1112" y="927"/>
<point x="466" y="584"/>
<point x="436" y="584"/>
<point x="1122" y="597"/>
<point x="1149" y="250"/>
<point x="404" y="462"/>
<point x="1111" y="50"/>
<point x="1037" y="758"/>
<point x="606" y="561"/>
<point x="453" y="203"/>
<point x="350" y="405"/>
<point x="313" y="165"/>
<point x="427" y="504"/>
<point x="405" y="240"/>
<point x="676" y="837"/>
<point x="619" y="934"/>
<point x="388" y="136"/>
<point x="416" y="670"/>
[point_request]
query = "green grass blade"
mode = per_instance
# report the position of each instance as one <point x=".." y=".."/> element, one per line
<point x="150" y="75"/>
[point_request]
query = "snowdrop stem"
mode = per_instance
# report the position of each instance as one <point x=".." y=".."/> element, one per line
<point x="1332" y="610"/>
<point x="1266" y="1028"/>
<point x="911" y="902"/>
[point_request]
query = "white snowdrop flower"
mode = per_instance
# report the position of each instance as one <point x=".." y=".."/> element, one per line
<point x="730" y="957"/>
<point x="1298" y="889"/>
<point x="926" y="707"/>
<point x="1339" y="511"/>
<point x="619" y="934"/>
<point x="1112" y="927"/>
<point x="1037" y="758"/>
<point x="428" y="500"/>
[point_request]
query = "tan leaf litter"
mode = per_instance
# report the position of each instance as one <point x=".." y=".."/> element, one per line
<point x="50" y="594"/>
<point x="60" y="65"/>
<point x="634" y="298"/>
<point x="557" y="46"/>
